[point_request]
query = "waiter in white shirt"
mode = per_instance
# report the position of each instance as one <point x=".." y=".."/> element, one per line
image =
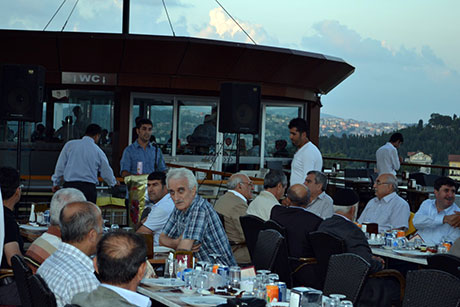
<point x="388" y="161"/>
<point x="308" y="157"/>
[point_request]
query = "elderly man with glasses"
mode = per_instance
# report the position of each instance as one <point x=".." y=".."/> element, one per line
<point x="231" y="206"/>
<point x="387" y="209"/>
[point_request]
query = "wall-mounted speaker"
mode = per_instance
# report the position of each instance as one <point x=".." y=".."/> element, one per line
<point x="239" y="108"/>
<point x="21" y="92"/>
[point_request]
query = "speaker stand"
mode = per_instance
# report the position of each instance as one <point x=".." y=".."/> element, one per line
<point x="18" y="146"/>
<point x="237" y="160"/>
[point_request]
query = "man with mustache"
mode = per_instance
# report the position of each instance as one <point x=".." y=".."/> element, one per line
<point x="439" y="218"/>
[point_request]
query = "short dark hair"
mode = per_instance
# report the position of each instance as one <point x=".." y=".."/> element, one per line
<point x="396" y="137"/>
<point x="300" y="124"/>
<point x="143" y="121"/>
<point x="158" y="176"/>
<point x="274" y="177"/>
<point x="9" y="181"/>
<point x="320" y="178"/>
<point x="75" y="227"/>
<point x="438" y="183"/>
<point x="93" y="129"/>
<point x="119" y="256"/>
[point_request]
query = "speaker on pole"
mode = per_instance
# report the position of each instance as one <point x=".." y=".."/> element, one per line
<point x="239" y="108"/>
<point x="21" y="92"/>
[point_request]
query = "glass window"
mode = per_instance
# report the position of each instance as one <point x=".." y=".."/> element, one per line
<point x="197" y="128"/>
<point x="277" y="142"/>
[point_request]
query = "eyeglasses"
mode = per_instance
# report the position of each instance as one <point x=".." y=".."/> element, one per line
<point x="250" y="183"/>
<point x="380" y="183"/>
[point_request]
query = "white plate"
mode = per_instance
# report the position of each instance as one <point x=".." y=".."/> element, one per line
<point x="203" y="301"/>
<point x="163" y="282"/>
<point x="375" y="243"/>
<point x="33" y="228"/>
<point x="162" y="249"/>
<point x="223" y="294"/>
<point x="411" y="253"/>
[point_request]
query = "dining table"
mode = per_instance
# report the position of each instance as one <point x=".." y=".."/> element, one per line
<point x="413" y="256"/>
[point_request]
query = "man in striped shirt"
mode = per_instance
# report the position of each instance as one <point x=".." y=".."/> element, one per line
<point x="70" y="270"/>
<point x="49" y="242"/>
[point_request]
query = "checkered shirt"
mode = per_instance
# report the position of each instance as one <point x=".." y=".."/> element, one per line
<point x="201" y="223"/>
<point x="67" y="272"/>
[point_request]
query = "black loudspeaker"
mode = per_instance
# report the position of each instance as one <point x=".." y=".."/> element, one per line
<point x="21" y="92"/>
<point x="239" y="108"/>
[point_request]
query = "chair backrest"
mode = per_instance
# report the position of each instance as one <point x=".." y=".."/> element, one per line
<point x="21" y="274"/>
<point x="324" y="246"/>
<point x="41" y="295"/>
<point x="271" y="224"/>
<point x="419" y="178"/>
<point x="431" y="288"/>
<point x="251" y="226"/>
<point x="411" y="228"/>
<point x="445" y="262"/>
<point x="346" y="274"/>
<point x="266" y="249"/>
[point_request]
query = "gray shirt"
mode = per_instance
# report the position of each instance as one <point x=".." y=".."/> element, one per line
<point x="322" y="206"/>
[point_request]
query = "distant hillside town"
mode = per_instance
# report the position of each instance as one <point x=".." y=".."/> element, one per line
<point x="331" y="125"/>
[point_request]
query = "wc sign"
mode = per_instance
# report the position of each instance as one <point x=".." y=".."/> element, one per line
<point x="88" y="78"/>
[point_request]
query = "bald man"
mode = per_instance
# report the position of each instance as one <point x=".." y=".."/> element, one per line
<point x="120" y="263"/>
<point x="299" y="222"/>
<point x="70" y="270"/>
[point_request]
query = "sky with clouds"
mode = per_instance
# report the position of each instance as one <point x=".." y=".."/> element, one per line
<point x="406" y="53"/>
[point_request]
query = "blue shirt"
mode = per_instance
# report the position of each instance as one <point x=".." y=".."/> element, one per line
<point x="429" y="223"/>
<point x="81" y="160"/>
<point x="201" y="223"/>
<point x="149" y="156"/>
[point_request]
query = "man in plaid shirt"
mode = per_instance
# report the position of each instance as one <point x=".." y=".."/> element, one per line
<point x="194" y="224"/>
<point x="70" y="270"/>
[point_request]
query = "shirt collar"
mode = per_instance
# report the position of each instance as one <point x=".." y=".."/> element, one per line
<point x="74" y="252"/>
<point x="239" y="195"/>
<point x="297" y="207"/>
<point x="344" y="217"/>
<point x="136" y="144"/>
<point x="131" y="296"/>
<point x="388" y="198"/>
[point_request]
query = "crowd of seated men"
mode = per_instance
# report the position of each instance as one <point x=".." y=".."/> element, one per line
<point x="62" y="255"/>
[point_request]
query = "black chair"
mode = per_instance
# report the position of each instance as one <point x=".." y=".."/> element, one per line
<point x="266" y="249"/>
<point x="271" y="224"/>
<point x="445" y="262"/>
<point x="251" y="225"/>
<point x="324" y="246"/>
<point x="431" y="288"/>
<point x="41" y="295"/>
<point x="21" y="274"/>
<point x="346" y="274"/>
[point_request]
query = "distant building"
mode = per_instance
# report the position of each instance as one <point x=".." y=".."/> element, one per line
<point x="420" y="158"/>
<point x="454" y="160"/>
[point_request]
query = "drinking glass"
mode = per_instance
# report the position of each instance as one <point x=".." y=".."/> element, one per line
<point x="201" y="281"/>
<point x="215" y="256"/>
<point x="235" y="276"/>
<point x="114" y="227"/>
<point x="203" y="265"/>
<point x="346" y="304"/>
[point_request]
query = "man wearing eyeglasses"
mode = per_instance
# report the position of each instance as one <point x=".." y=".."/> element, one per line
<point x="387" y="209"/>
<point x="231" y="206"/>
<point x="13" y="244"/>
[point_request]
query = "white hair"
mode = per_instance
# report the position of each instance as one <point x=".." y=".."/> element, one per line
<point x="61" y="198"/>
<point x="182" y="173"/>
<point x="345" y="209"/>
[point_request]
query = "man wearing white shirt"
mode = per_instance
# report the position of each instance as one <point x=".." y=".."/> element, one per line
<point x="439" y="218"/>
<point x="162" y="206"/>
<point x="387" y="157"/>
<point x="387" y="209"/>
<point x="308" y="157"/>
<point x="120" y="263"/>
<point x="231" y="206"/>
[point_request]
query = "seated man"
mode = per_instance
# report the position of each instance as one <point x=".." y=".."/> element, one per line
<point x="49" y="242"/>
<point x="387" y="209"/>
<point x="299" y="222"/>
<point x="162" y="207"/>
<point x="342" y="225"/>
<point x="70" y="270"/>
<point x="320" y="203"/>
<point x="12" y="244"/>
<point x="232" y="205"/>
<point x="439" y="218"/>
<point x="194" y="224"/>
<point x="120" y="263"/>
<point x="275" y="183"/>
<point x="376" y="291"/>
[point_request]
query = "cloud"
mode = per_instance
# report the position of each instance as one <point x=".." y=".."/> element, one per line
<point x="221" y="26"/>
<point x="390" y="83"/>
